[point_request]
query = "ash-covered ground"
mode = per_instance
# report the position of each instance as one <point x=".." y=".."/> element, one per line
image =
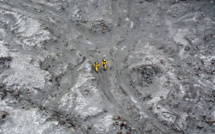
<point x="160" y="67"/>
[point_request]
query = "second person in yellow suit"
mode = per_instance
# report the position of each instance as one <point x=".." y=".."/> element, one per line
<point x="104" y="63"/>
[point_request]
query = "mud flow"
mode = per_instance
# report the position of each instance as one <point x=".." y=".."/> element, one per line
<point x="159" y="78"/>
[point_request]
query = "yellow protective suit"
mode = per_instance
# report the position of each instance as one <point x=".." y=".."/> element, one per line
<point x="104" y="63"/>
<point x="96" y="65"/>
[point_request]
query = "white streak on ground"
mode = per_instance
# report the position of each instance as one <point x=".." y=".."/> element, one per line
<point x="24" y="73"/>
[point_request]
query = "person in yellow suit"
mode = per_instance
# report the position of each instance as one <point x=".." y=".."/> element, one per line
<point x="104" y="63"/>
<point x="96" y="65"/>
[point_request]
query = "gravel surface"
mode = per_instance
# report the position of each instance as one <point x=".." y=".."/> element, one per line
<point x="160" y="76"/>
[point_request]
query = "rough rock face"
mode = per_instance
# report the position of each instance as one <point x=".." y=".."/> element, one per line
<point x="160" y="66"/>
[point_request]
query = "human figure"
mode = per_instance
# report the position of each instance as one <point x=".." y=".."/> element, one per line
<point x="104" y="63"/>
<point x="96" y="65"/>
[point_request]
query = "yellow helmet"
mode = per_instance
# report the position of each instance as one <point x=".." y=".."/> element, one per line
<point x="104" y="60"/>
